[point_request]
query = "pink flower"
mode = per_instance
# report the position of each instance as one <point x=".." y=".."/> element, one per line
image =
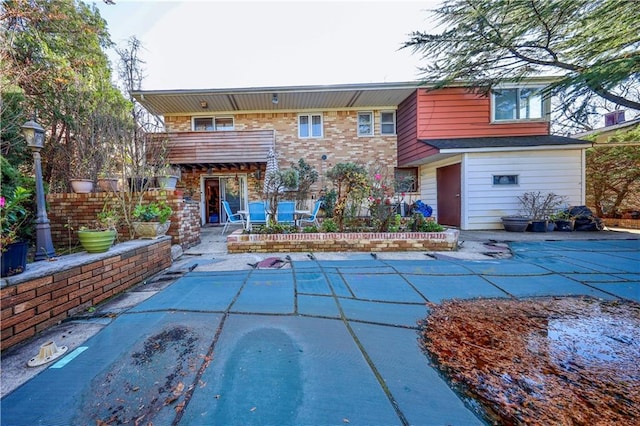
<point x="378" y="176"/>
<point x="2" y="202"/>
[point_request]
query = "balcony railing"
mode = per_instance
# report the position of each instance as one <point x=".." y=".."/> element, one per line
<point x="222" y="147"/>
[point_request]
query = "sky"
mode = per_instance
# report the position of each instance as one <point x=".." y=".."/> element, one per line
<point x="233" y="44"/>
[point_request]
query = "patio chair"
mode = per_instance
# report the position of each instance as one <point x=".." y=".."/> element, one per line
<point x="286" y="210"/>
<point x="257" y="213"/>
<point x="313" y="217"/>
<point x="231" y="217"/>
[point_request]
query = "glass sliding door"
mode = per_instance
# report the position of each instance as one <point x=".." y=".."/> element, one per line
<point x="232" y="190"/>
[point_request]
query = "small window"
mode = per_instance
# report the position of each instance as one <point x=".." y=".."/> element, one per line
<point x="213" y="123"/>
<point x="388" y="123"/>
<point x="505" y="179"/>
<point x="517" y="103"/>
<point x="365" y="124"/>
<point x="406" y="179"/>
<point x="224" y="123"/>
<point x="310" y="126"/>
<point x="203" y="123"/>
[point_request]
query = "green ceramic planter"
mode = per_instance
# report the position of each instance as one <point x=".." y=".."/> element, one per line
<point x="96" y="241"/>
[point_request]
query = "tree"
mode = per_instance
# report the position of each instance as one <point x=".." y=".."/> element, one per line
<point x="592" y="46"/>
<point x="52" y="52"/>
<point x="613" y="173"/>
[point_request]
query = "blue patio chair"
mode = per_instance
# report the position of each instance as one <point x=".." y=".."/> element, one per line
<point x="286" y="211"/>
<point x="313" y="217"/>
<point x="231" y="217"/>
<point x="257" y="213"/>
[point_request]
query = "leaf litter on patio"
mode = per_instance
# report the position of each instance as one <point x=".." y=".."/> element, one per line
<point x="540" y="361"/>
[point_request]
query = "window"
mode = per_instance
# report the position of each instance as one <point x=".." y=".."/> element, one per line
<point x="310" y="126"/>
<point x="505" y="179"/>
<point x="365" y="124"/>
<point x="224" y="123"/>
<point x="388" y="123"/>
<point x="406" y="179"/>
<point x="517" y="103"/>
<point x="203" y="123"/>
<point x="213" y="123"/>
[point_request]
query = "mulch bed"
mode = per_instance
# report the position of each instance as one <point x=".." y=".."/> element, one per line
<point x="569" y="361"/>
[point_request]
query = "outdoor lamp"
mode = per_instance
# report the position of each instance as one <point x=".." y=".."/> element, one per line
<point x="274" y="99"/>
<point x="34" y="135"/>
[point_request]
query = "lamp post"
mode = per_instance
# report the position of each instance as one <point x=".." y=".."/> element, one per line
<point x="34" y="135"/>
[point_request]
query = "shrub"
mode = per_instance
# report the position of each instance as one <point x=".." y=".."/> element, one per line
<point x="152" y="212"/>
<point x="329" y="225"/>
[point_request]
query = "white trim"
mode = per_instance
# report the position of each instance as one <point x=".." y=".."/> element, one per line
<point x="514" y="148"/>
<point x="213" y="122"/>
<point x="387" y="108"/>
<point x="395" y="122"/>
<point x="310" y="115"/>
<point x="544" y="101"/>
<point x="371" y="124"/>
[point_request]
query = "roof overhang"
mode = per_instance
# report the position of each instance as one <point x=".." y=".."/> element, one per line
<point x="276" y="98"/>
<point x="505" y="143"/>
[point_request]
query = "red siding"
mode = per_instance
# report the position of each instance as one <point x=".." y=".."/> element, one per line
<point x="456" y="113"/>
<point x="409" y="148"/>
<point x="450" y="113"/>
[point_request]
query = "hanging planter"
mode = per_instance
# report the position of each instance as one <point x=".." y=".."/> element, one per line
<point x="82" y="186"/>
<point x="96" y="241"/>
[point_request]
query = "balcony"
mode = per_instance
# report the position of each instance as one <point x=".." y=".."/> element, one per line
<point x="222" y="150"/>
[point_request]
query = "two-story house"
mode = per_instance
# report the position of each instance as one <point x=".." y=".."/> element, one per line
<point x="221" y="138"/>
<point x="471" y="155"/>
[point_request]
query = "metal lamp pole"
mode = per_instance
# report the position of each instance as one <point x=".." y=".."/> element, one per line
<point x="34" y="135"/>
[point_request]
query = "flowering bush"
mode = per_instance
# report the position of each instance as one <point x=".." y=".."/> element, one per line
<point x="383" y="201"/>
<point x="13" y="214"/>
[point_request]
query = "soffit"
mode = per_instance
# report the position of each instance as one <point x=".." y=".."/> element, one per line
<point x="289" y="98"/>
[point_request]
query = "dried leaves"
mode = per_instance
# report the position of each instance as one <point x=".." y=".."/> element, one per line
<point x="542" y="361"/>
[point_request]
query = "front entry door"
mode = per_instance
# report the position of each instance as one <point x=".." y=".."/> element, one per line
<point x="449" y="186"/>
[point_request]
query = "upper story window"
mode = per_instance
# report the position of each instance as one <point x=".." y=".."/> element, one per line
<point x="213" y="123"/>
<point x="310" y="125"/>
<point x="524" y="103"/>
<point x="388" y="123"/>
<point x="365" y="124"/>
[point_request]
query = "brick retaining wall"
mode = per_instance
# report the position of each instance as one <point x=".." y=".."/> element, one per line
<point x="237" y="242"/>
<point x="50" y="292"/>
<point x="67" y="212"/>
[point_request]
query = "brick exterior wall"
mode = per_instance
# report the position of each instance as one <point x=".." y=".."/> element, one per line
<point x="68" y="212"/>
<point x="350" y="242"/>
<point x="50" y="292"/>
<point x="340" y="143"/>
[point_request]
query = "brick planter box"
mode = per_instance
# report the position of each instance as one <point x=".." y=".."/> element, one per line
<point x="237" y="242"/>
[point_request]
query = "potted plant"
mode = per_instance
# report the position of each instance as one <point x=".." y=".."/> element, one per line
<point x="537" y="206"/>
<point x="100" y="238"/>
<point x="13" y="215"/>
<point x="152" y="220"/>
<point x="107" y="182"/>
<point x="168" y="177"/>
<point x="515" y="223"/>
<point x="563" y="220"/>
